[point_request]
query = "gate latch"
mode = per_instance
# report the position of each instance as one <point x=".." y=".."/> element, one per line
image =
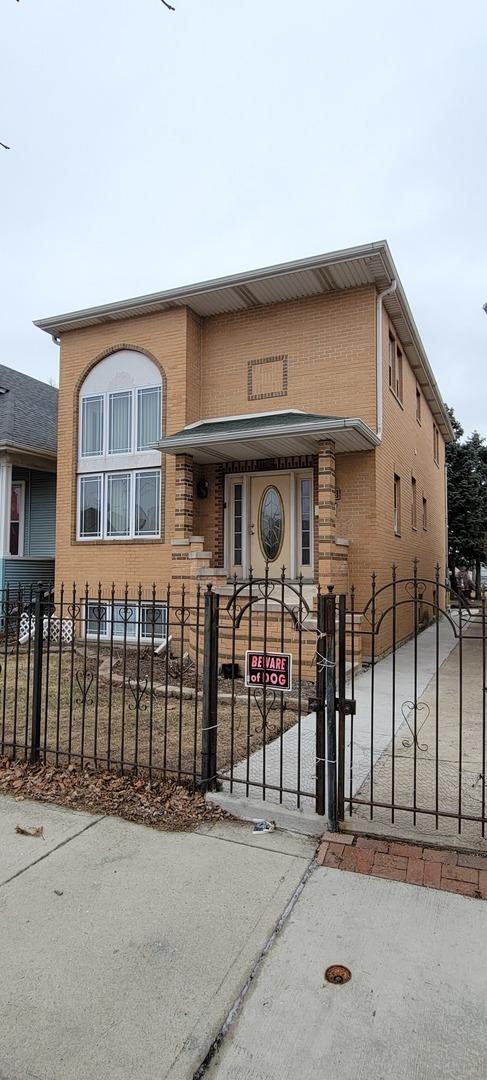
<point x="348" y="706"/>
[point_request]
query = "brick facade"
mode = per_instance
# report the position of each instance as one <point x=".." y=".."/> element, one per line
<point x="318" y="355"/>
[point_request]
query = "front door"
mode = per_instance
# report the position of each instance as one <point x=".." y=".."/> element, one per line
<point x="270" y="523"/>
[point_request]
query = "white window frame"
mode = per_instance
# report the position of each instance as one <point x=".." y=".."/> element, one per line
<point x="304" y="567"/>
<point x="81" y="479"/>
<point x="20" y="484"/>
<point x="91" y="397"/>
<point x="132" y="535"/>
<point x="119" y="635"/>
<point x="106" y="396"/>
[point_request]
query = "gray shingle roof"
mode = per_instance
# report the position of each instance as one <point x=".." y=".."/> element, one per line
<point x="28" y="411"/>
<point x="242" y="424"/>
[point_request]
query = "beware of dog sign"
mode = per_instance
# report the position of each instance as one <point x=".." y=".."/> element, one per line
<point x="268" y="669"/>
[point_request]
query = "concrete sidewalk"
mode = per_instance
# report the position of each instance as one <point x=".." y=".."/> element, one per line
<point x="130" y="972"/>
<point x="291" y="761"/>
<point x="124" y="951"/>
<point x="415" y="1008"/>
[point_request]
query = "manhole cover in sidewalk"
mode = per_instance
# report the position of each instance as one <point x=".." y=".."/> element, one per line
<point x="337" y="974"/>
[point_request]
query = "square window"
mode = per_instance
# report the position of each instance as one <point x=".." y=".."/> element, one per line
<point x="153" y="622"/>
<point x="90" y="507"/>
<point x="124" y="620"/>
<point x="97" y="619"/>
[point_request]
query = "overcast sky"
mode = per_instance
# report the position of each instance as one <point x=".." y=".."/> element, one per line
<point x="153" y="149"/>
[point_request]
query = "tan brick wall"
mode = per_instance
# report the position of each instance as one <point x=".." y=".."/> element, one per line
<point x="407" y="450"/>
<point x="330" y="345"/>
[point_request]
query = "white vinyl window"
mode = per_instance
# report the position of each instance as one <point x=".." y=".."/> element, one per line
<point x="148" y="417"/>
<point x="92" y="425"/>
<point x="119" y="466"/>
<point x="89" y="502"/>
<point x="121" y="422"/>
<point x="128" y="621"/>
<point x="117" y="504"/>
<point x="147" y="503"/>
<point x="120" y="506"/>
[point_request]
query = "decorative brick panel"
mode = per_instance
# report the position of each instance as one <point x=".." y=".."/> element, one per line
<point x="267" y="377"/>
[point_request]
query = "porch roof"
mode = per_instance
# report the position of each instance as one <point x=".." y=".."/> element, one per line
<point x="267" y="435"/>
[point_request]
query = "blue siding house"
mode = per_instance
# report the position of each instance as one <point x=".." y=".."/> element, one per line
<point x="28" y="441"/>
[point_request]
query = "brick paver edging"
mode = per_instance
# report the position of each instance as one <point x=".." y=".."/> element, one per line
<point x="454" y="871"/>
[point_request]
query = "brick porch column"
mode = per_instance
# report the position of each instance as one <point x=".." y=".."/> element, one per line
<point x="183" y="524"/>
<point x="327" y="511"/>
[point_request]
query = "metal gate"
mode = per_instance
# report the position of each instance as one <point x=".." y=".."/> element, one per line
<point x="410" y="716"/>
<point x="261" y="741"/>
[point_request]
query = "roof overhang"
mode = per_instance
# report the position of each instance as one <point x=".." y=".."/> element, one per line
<point x="227" y="443"/>
<point x="355" y="267"/>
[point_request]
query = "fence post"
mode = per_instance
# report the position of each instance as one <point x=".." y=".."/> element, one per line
<point x="35" y="746"/>
<point x="331" y="731"/>
<point x="341" y="706"/>
<point x="210" y="693"/>
<point x="320" y="710"/>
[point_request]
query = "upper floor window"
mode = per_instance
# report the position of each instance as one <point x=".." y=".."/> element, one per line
<point x="120" y="424"/>
<point x="395" y="367"/>
<point x="418" y="404"/>
<point x="436" y="444"/>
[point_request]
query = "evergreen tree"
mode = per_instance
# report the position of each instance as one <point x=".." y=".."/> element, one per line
<point x="466" y="461"/>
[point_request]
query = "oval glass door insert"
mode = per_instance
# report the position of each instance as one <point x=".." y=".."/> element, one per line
<point x="271" y="523"/>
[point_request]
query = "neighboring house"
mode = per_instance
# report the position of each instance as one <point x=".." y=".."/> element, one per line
<point x="298" y="419"/>
<point x="28" y="427"/>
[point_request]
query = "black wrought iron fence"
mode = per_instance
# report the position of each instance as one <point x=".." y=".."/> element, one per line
<point x="109" y="681"/>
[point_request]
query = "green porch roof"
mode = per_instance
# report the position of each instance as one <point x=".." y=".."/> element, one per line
<point x="267" y="435"/>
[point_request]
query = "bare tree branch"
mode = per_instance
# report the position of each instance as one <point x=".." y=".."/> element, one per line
<point x="5" y="147"/>
<point x="169" y="6"/>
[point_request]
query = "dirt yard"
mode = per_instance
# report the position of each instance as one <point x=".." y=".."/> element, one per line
<point x="122" y="722"/>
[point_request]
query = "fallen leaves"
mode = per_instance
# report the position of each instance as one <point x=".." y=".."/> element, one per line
<point x="37" y="830"/>
<point x="162" y="804"/>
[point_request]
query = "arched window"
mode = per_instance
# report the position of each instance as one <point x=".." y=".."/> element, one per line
<point x="119" y="472"/>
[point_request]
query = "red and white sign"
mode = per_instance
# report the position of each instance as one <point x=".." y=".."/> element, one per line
<point x="273" y="670"/>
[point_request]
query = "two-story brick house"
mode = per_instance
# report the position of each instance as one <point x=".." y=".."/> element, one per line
<point x="298" y="419"/>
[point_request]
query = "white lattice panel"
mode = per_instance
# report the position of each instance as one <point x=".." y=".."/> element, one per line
<point x="51" y="627"/>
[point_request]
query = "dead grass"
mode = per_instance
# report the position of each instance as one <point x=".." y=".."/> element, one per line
<point x="89" y="719"/>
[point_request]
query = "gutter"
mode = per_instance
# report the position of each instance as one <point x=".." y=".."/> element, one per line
<point x="379" y="379"/>
<point x="173" y="444"/>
